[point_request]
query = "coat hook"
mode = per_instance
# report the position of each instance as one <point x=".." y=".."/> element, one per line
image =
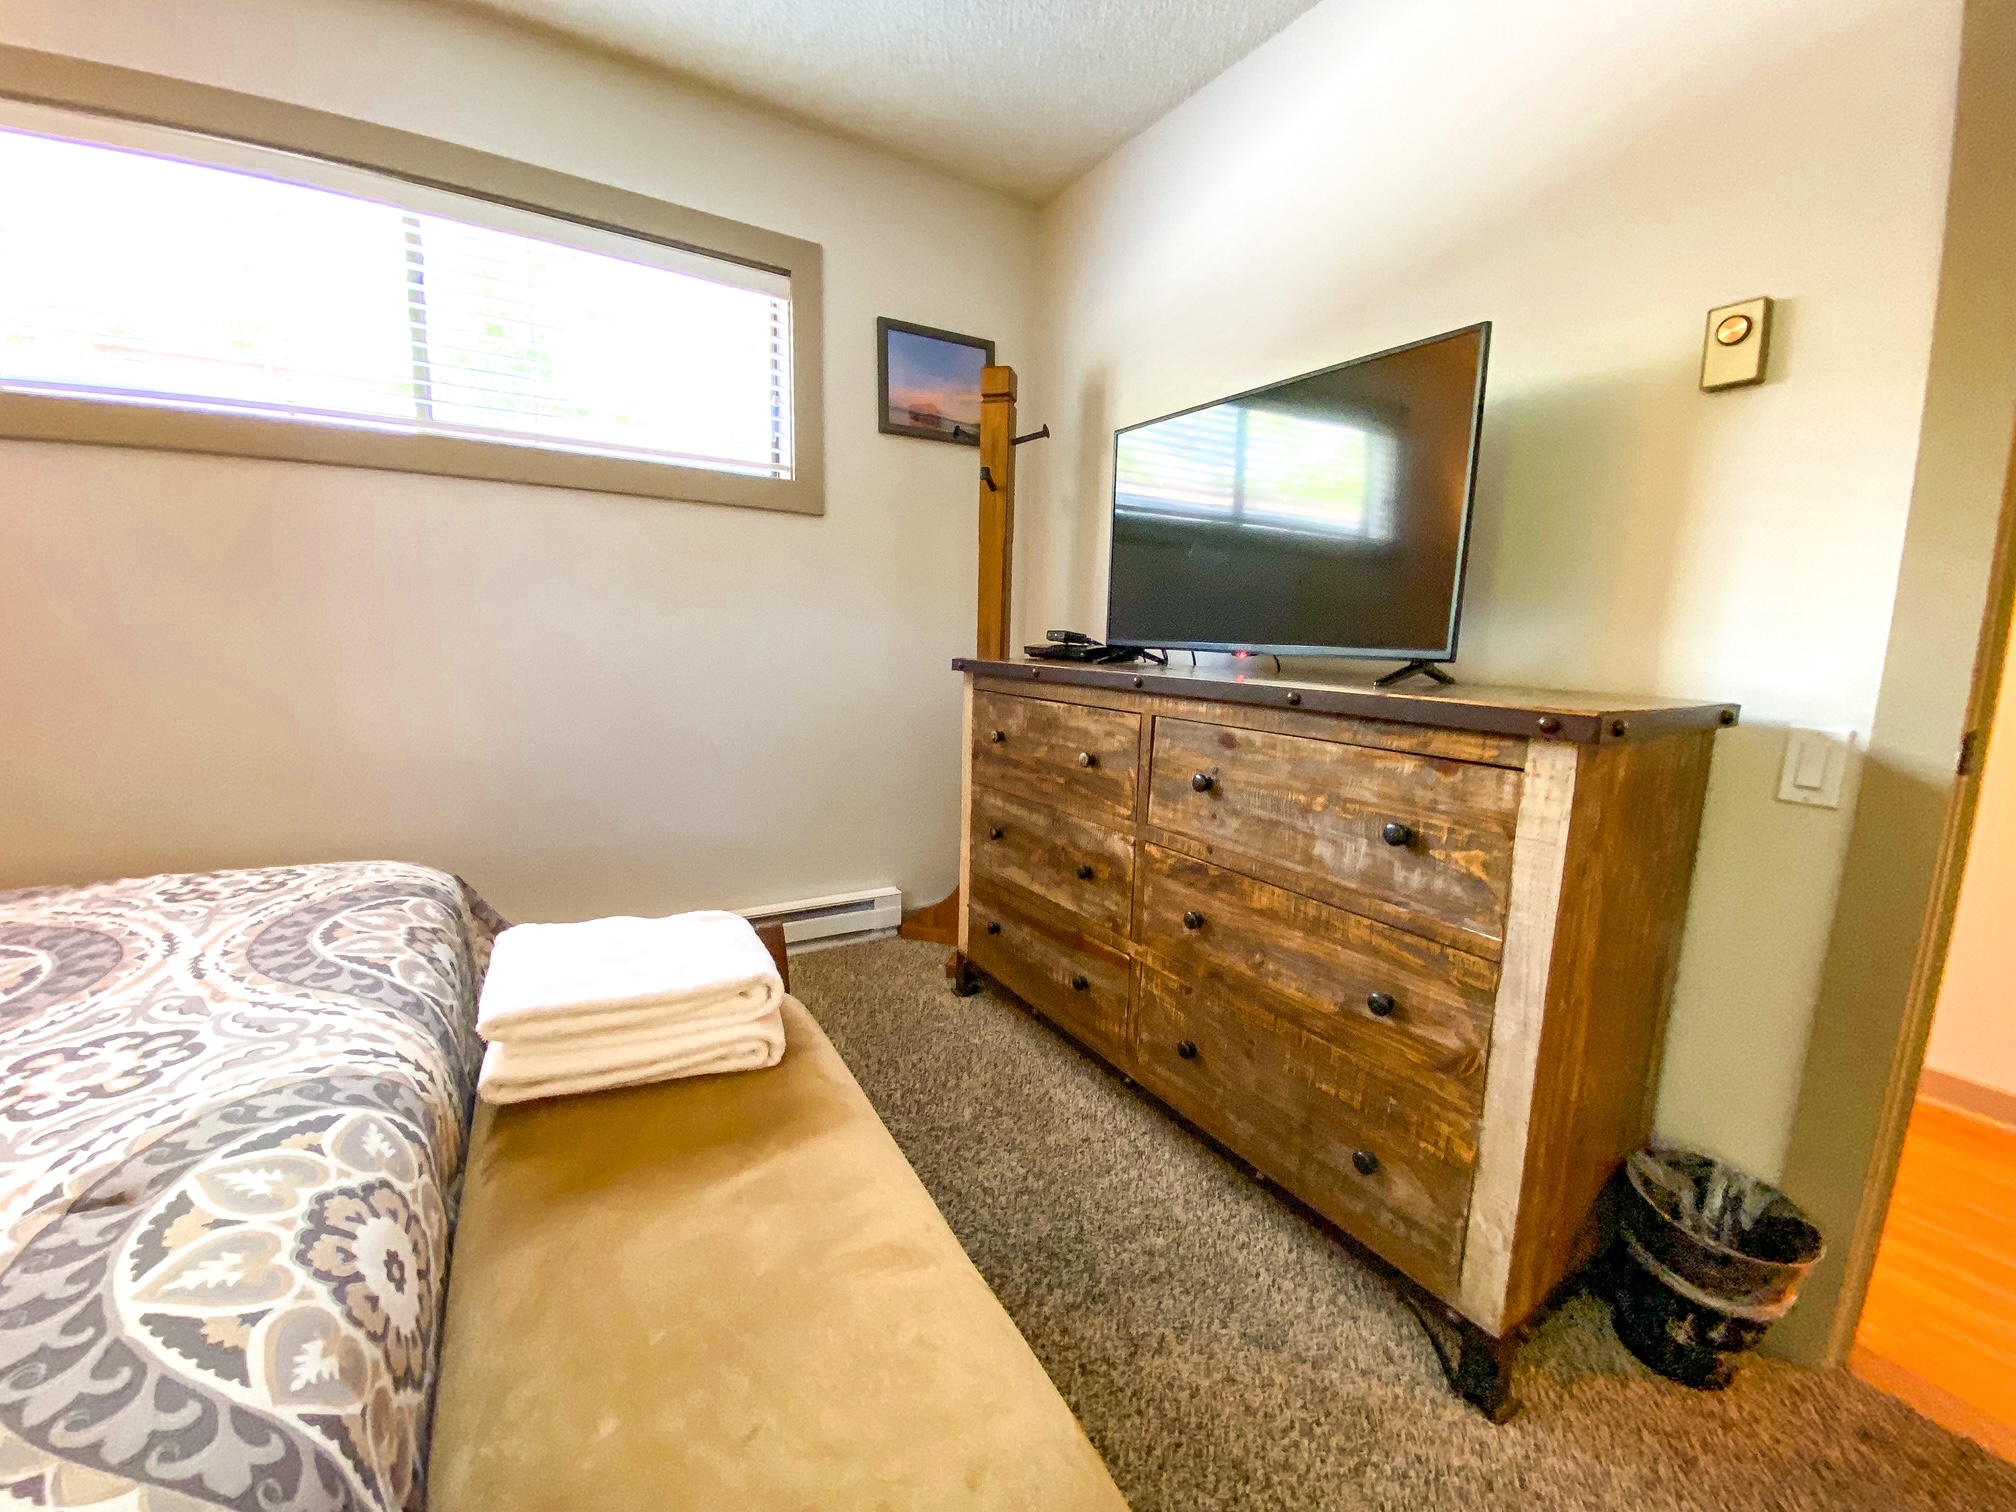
<point x="987" y="477"/>
<point x="1035" y="435"/>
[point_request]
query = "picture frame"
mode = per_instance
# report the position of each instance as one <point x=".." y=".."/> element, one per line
<point x="928" y="382"/>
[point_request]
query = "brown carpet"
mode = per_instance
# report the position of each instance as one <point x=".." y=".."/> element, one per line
<point x="1224" y="1352"/>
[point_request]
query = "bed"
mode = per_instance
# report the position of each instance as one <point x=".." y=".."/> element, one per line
<point x="234" y="1137"/>
<point x="233" y="1114"/>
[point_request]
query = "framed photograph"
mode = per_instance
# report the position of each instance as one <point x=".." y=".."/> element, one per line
<point x="930" y="381"/>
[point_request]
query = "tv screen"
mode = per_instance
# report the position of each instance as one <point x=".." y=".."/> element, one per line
<point x="1323" y="515"/>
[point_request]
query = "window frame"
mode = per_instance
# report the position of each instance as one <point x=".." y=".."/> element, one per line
<point x="77" y="84"/>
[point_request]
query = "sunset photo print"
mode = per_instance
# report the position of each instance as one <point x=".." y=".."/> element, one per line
<point x="931" y="382"/>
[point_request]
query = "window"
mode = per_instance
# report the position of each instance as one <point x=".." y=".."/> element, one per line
<point x="164" y="287"/>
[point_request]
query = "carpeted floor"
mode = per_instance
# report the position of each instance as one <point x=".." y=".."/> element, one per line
<point x="1223" y="1352"/>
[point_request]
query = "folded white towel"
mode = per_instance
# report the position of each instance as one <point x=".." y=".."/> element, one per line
<point x="616" y="1002"/>
<point x="517" y="1071"/>
<point x="553" y="981"/>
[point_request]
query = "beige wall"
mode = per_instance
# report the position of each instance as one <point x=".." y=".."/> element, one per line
<point x="583" y="703"/>
<point x="1974" y="1026"/>
<point x="1592" y="179"/>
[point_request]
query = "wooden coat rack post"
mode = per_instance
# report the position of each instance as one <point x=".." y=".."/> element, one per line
<point x="938" y="923"/>
<point x="997" y="509"/>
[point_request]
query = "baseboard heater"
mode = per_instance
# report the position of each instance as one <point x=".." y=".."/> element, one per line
<point x="842" y="919"/>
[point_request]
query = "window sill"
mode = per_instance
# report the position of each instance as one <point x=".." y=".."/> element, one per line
<point x="34" y="417"/>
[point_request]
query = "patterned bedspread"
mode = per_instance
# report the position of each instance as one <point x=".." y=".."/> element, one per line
<point x="232" y="1115"/>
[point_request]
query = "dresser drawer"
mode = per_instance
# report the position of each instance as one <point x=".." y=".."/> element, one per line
<point x="1061" y="753"/>
<point x="1419" y="1011"/>
<point x="1073" y="980"/>
<point x="1388" y="1166"/>
<point x="1074" y="863"/>
<point x="1416" y="836"/>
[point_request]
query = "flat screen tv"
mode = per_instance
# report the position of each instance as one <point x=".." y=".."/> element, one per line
<point x="1327" y="515"/>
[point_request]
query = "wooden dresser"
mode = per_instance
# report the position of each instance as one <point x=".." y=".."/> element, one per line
<point x="1407" y="954"/>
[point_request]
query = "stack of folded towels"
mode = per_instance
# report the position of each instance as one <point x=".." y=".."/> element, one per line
<point x="614" y="1002"/>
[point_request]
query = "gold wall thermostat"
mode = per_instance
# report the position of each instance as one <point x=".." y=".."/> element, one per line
<point x="1738" y="336"/>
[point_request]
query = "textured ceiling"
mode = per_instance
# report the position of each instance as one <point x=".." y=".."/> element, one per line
<point x="1019" y="95"/>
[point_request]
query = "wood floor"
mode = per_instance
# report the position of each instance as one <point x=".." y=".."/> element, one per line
<point x="1939" y="1328"/>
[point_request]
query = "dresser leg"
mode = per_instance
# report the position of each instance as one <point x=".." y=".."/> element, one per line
<point x="1478" y="1365"/>
<point x="964" y="974"/>
<point x="1481" y="1372"/>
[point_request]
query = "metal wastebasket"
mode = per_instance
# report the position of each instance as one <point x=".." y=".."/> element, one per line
<point x="1706" y="1259"/>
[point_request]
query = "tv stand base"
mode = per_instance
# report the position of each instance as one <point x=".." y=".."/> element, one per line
<point x="1401" y="674"/>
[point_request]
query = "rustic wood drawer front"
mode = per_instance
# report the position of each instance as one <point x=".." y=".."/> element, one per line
<point x="1391" y="1167"/>
<point x="1419" y="1011"/>
<point x="1417" y="836"/>
<point x="1057" y="752"/>
<point x="1075" y="981"/>
<point x="1074" y="863"/>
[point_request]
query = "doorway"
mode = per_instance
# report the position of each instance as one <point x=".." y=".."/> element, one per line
<point x="1938" y="1325"/>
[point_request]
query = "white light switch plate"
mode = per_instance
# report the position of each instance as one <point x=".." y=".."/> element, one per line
<point x="1816" y="764"/>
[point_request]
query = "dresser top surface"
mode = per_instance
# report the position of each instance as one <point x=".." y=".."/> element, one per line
<point x="1589" y="718"/>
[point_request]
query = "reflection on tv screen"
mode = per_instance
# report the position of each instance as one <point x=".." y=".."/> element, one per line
<point x="1324" y="513"/>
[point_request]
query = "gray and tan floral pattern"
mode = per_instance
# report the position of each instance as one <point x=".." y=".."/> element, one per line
<point x="233" y="1108"/>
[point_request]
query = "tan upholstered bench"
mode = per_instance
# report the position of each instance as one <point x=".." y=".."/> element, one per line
<point x="733" y="1294"/>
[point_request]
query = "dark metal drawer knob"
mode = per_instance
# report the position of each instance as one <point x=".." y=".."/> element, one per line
<point x="1397" y="833"/>
<point x="998" y="736"/>
<point x="1080" y="983"/>
<point x="1084" y="873"/>
<point x="1193" y="920"/>
<point x="995" y="832"/>
<point x="993" y="926"/>
<point x="1382" y="1004"/>
<point x="1364" y="1162"/>
<point x="1187" y="1049"/>
<point x="1203" y="782"/>
<point x="1087" y="759"/>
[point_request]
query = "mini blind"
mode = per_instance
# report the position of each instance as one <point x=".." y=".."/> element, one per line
<point x="142" y="265"/>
